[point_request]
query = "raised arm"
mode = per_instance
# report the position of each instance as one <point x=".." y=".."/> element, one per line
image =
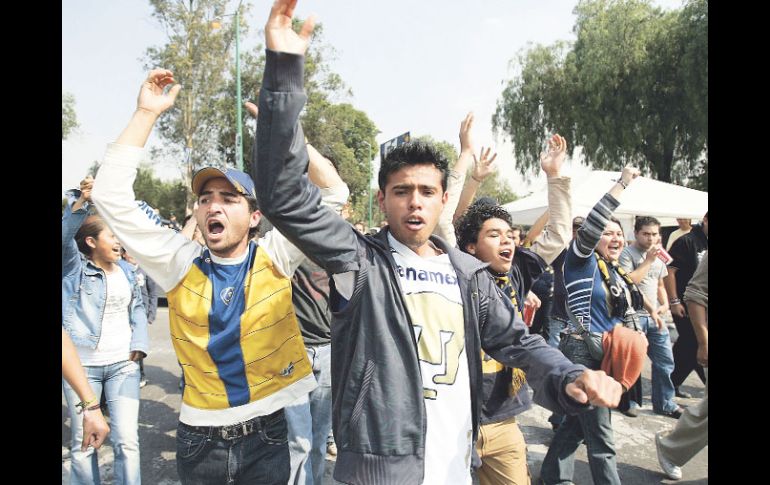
<point x="75" y="214"/>
<point x="164" y="254"/>
<point x="591" y="231"/>
<point x="286" y="196"/>
<point x="482" y="168"/>
<point x="536" y="229"/>
<point x="445" y="227"/>
<point x="558" y="227"/>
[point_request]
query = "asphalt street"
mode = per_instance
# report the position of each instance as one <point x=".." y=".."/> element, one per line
<point x="160" y="401"/>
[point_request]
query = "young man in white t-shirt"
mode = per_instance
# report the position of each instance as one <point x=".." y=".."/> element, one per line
<point x="411" y="314"/>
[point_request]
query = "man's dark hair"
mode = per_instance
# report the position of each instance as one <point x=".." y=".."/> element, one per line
<point x="468" y="226"/>
<point x="642" y="221"/>
<point x="253" y="206"/>
<point x="487" y="200"/>
<point x="577" y="222"/>
<point x="327" y="152"/>
<point x="415" y="152"/>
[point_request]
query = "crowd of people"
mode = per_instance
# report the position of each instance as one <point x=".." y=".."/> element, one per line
<point x="415" y="345"/>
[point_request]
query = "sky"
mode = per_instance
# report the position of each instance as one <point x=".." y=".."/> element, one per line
<point x="415" y="66"/>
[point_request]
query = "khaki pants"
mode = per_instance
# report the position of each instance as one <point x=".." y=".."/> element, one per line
<point x="503" y="454"/>
<point x="690" y="434"/>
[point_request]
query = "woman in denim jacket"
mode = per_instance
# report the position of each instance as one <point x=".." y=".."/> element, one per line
<point x="103" y="313"/>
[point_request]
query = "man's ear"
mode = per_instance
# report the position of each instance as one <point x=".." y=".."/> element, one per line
<point x="256" y="216"/>
<point x="381" y="201"/>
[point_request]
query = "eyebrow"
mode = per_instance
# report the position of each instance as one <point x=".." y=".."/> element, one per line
<point x="223" y="192"/>
<point x="412" y="186"/>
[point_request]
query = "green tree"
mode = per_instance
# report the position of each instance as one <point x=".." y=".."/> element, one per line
<point x="493" y="186"/>
<point x="337" y="129"/>
<point x="197" y="54"/>
<point x="168" y="197"/>
<point x="631" y="89"/>
<point x="496" y="187"/>
<point x="69" y="119"/>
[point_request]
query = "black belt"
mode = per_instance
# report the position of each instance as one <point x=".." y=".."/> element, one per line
<point x="234" y="431"/>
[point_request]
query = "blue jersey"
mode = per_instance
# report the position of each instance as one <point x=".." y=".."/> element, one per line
<point x="587" y="297"/>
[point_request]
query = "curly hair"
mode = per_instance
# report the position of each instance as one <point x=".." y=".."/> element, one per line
<point x="468" y="226"/>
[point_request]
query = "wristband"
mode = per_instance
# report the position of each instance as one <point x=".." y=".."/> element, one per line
<point x="675" y="301"/>
<point x="620" y="181"/>
<point x="477" y="180"/>
<point x="83" y="405"/>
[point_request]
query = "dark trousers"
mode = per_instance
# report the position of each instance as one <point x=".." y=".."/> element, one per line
<point x="685" y="353"/>
<point x="253" y="453"/>
<point x="633" y="394"/>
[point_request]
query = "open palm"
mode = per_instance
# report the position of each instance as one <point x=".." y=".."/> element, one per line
<point x="279" y="36"/>
<point x="552" y="160"/>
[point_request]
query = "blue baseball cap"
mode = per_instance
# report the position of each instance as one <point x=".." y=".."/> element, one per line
<point x="240" y="180"/>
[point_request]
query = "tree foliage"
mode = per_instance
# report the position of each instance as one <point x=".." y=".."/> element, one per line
<point x="201" y="128"/>
<point x="69" y="119"/>
<point x="493" y="186"/>
<point x="197" y="53"/>
<point x="632" y="89"/>
<point x="169" y="198"/>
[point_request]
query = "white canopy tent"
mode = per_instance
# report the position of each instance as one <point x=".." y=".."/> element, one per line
<point x="644" y="197"/>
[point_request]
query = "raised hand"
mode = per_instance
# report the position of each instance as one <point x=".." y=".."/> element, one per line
<point x="279" y="36"/>
<point x="466" y="135"/>
<point x="482" y="165"/>
<point x="629" y="173"/>
<point x="552" y="160"/>
<point x="85" y="188"/>
<point x="151" y="95"/>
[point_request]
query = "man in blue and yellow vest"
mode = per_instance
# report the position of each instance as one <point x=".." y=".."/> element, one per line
<point x="231" y="317"/>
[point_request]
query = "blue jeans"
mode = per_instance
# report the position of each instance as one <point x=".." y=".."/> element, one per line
<point x="593" y="426"/>
<point x="309" y="420"/>
<point x="555" y="326"/>
<point x="120" y="382"/>
<point x="207" y="455"/>
<point x="662" y="358"/>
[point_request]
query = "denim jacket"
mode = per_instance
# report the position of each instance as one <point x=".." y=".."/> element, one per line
<point x="84" y="292"/>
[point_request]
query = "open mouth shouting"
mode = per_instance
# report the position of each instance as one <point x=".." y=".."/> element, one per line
<point x="215" y="229"/>
<point x="506" y="255"/>
<point x="614" y="248"/>
<point x="414" y="223"/>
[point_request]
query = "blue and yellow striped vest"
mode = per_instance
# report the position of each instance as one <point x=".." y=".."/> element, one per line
<point x="235" y="332"/>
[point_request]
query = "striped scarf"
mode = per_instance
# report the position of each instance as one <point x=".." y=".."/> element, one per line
<point x="518" y="377"/>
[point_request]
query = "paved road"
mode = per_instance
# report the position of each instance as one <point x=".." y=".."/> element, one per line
<point x="637" y="461"/>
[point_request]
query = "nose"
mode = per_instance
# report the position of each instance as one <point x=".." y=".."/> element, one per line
<point x="415" y="201"/>
<point x="215" y="206"/>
